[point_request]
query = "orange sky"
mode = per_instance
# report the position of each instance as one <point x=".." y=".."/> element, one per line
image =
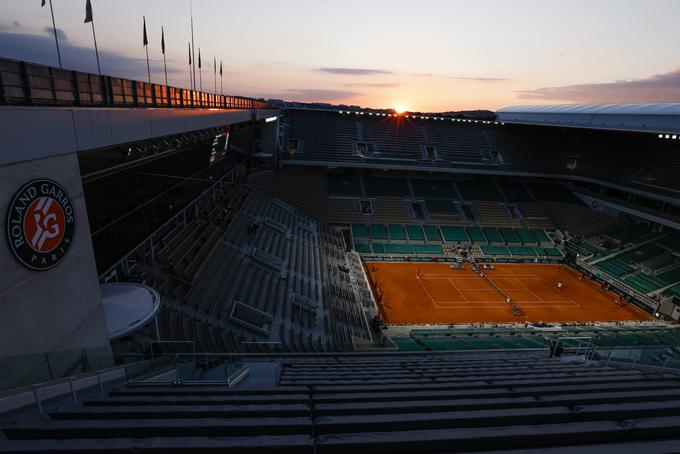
<point x="432" y="55"/>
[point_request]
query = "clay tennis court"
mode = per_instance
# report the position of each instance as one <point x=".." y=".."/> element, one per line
<point x="415" y="293"/>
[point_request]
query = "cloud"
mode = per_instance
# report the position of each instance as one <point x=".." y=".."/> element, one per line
<point x="656" y="88"/>
<point x="40" y="49"/>
<point x="480" y="79"/>
<point x="422" y="74"/>
<point x="454" y="77"/>
<point x="318" y="95"/>
<point x="373" y="85"/>
<point x="61" y="34"/>
<point x="354" y="71"/>
<point x="14" y="24"/>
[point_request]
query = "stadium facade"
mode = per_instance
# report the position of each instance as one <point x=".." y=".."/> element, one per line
<point x="190" y="269"/>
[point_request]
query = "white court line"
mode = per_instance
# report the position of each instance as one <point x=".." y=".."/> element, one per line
<point x="467" y="304"/>
<point x="496" y="305"/>
<point x="530" y="291"/>
<point x="568" y="298"/>
<point x="450" y="276"/>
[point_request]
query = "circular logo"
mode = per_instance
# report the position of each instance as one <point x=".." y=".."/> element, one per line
<point x="41" y="224"/>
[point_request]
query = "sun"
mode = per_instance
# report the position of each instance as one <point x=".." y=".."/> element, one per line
<point x="399" y="109"/>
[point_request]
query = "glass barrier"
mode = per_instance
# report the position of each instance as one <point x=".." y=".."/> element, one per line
<point x="176" y="369"/>
<point x="25" y="370"/>
<point x="23" y="83"/>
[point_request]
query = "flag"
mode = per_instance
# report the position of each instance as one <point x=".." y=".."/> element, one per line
<point x="199" y="58"/>
<point x="189" y="54"/>
<point x="215" y="64"/>
<point x="145" y="41"/>
<point x="88" y="12"/>
<point x="162" y="40"/>
<point x="220" y="67"/>
<point x="43" y="3"/>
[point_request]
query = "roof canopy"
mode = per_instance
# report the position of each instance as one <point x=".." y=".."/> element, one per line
<point x="653" y="118"/>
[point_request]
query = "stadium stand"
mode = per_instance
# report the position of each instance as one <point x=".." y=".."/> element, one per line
<point x="481" y="401"/>
<point x="271" y="290"/>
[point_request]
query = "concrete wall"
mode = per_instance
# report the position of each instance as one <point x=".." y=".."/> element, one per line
<point x="38" y="132"/>
<point x="58" y="309"/>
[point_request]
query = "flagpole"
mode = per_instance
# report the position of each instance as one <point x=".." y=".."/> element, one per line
<point x="148" y="68"/>
<point x="56" y="39"/>
<point x="221" y="80"/>
<point x="96" y="51"/>
<point x="200" y="71"/>
<point x="146" y="47"/>
<point x="215" y="73"/>
<point x="191" y="79"/>
<point x="193" y="47"/>
<point x="165" y="65"/>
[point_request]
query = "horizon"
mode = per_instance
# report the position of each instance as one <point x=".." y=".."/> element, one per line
<point x="436" y="56"/>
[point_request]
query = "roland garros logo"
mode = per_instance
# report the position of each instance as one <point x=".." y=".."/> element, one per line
<point x="41" y="224"/>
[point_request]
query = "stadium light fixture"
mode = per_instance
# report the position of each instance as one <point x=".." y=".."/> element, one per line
<point x="668" y="136"/>
<point x="270" y="119"/>
<point x="674" y="137"/>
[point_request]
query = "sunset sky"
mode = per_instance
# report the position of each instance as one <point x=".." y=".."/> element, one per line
<point x="431" y="55"/>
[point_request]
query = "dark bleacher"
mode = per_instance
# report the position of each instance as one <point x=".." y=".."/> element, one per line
<point x="400" y="403"/>
<point x="344" y="185"/>
<point x="433" y="188"/>
<point x="329" y="136"/>
<point x="379" y="186"/>
<point x="481" y="189"/>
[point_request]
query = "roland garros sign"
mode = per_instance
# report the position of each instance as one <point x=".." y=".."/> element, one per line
<point x="41" y="224"/>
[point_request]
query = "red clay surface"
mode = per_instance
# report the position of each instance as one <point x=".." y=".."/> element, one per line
<point x="417" y="293"/>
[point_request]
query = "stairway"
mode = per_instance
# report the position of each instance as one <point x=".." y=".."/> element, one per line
<point x="376" y="403"/>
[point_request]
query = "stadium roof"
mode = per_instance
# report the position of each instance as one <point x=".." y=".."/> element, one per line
<point x="654" y="118"/>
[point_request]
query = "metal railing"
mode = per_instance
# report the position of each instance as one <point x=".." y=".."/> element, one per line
<point x="30" y="84"/>
<point x="654" y="358"/>
<point x="575" y="345"/>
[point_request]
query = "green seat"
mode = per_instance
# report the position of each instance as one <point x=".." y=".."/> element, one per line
<point x="540" y="235"/>
<point x="522" y="250"/>
<point x="552" y="252"/>
<point x="415" y="233"/>
<point x="378" y="248"/>
<point x="476" y="235"/>
<point x="432" y="233"/>
<point x="526" y="237"/>
<point x="362" y="248"/>
<point x="454" y="234"/>
<point x="396" y="231"/>
<point x="493" y="235"/>
<point x="378" y="232"/>
<point x="391" y="248"/>
<point x="491" y="251"/>
<point x="359" y="231"/>
<point x="428" y="249"/>
<point x="509" y="236"/>
<point x="406" y="344"/>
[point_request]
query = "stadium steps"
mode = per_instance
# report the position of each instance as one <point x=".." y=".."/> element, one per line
<point x="392" y="403"/>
